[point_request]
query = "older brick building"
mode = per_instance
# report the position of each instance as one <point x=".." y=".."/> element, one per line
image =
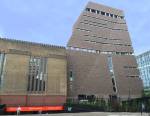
<point x="32" y="74"/>
<point x="100" y="56"/>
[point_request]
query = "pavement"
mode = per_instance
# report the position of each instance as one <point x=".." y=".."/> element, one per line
<point x="89" y="114"/>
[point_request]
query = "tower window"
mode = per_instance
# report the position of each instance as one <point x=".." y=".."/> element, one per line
<point x="111" y="15"/>
<point x="97" y="11"/>
<point x="122" y="17"/>
<point x="107" y="14"/>
<point x="116" y="16"/>
<point x="93" y="11"/>
<point x="102" y="13"/>
<point x="88" y="9"/>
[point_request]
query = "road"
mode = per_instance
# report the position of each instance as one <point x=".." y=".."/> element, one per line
<point x="89" y="114"/>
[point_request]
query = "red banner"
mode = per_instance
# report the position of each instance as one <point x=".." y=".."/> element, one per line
<point x="35" y="108"/>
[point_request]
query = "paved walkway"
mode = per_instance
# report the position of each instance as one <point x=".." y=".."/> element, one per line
<point x="90" y="114"/>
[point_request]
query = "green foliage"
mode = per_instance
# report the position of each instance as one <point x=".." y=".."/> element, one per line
<point x="146" y="92"/>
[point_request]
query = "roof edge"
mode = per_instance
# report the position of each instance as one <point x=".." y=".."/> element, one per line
<point x="31" y="43"/>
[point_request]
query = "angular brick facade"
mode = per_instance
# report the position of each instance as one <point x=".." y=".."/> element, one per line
<point x="100" y="56"/>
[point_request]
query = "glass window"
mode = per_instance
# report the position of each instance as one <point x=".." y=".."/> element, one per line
<point x="116" y="16"/>
<point x="122" y="17"/>
<point x="2" y="60"/>
<point x="88" y="9"/>
<point x="111" y="71"/>
<point x="113" y="81"/>
<point x="114" y="88"/>
<point x="98" y="11"/>
<point x="110" y="63"/>
<point x="107" y="14"/>
<point x="37" y="74"/>
<point x="70" y="75"/>
<point x="111" y="15"/>
<point x="93" y="10"/>
<point x="102" y="13"/>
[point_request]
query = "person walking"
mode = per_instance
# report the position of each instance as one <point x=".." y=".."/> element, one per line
<point x="18" y="110"/>
<point x="142" y="108"/>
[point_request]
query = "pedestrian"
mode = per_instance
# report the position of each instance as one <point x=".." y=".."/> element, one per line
<point x="18" y="110"/>
<point x="142" y="108"/>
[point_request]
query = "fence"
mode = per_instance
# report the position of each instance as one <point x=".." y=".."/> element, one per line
<point x="110" y="105"/>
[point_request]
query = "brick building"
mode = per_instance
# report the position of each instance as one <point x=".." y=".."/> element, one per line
<point x="100" y="55"/>
<point x="32" y="74"/>
<point x="99" y="61"/>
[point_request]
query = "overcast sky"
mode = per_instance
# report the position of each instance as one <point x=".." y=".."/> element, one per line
<point x="51" y="21"/>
